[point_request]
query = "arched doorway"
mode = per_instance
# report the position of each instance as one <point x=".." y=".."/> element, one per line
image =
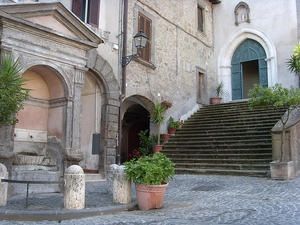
<point x="92" y="135"/>
<point x="248" y="67"/>
<point x="40" y="130"/>
<point x="135" y="120"/>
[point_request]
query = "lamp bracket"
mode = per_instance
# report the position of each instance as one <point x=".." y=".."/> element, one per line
<point x="127" y="59"/>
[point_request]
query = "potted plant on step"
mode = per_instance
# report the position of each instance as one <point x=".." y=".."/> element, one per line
<point x="219" y="92"/>
<point x="157" y="117"/>
<point x="278" y="97"/>
<point x="173" y="125"/>
<point x="151" y="175"/>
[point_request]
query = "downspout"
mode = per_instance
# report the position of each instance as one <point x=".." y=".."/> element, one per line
<point x="123" y="75"/>
<point x="125" y="21"/>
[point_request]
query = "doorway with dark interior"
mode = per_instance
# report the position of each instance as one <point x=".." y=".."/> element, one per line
<point x="250" y="74"/>
<point x="135" y="120"/>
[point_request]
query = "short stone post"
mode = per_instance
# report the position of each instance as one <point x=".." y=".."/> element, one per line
<point x="3" y="185"/>
<point x="74" y="194"/>
<point x="121" y="186"/>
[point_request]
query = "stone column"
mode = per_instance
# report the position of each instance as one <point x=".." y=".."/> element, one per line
<point x="121" y="186"/>
<point x="74" y="194"/>
<point x="3" y="185"/>
<point x="73" y="153"/>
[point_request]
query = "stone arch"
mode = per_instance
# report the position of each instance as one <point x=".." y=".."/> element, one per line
<point x="135" y="116"/>
<point x="226" y="54"/>
<point x="41" y="129"/>
<point x="110" y="110"/>
<point x="61" y="74"/>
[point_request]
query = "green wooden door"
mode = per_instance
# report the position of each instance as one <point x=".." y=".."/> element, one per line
<point x="248" y="50"/>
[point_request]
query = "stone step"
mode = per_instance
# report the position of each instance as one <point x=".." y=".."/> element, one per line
<point x="212" y="138"/>
<point x="269" y="122"/>
<point x="220" y="161"/>
<point x="229" y="127"/>
<point x="230" y="142"/>
<point x="242" y="150"/>
<point x="232" y="119"/>
<point x="231" y="166"/>
<point x="231" y="156"/>
<point x="94" y="177"/>
<point x="218" y="133"/>
<point x="234" y="110"/>
<point x="256" y="173"/>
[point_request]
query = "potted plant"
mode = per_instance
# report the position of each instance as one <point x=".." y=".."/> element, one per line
<point x="157" y="117"/>
<point x="173" y="125"/>
<point x="278" y="98"/>
<point x="151" y="175"/>
<point x="219" y="92"/>
<point x="12" y="95"/>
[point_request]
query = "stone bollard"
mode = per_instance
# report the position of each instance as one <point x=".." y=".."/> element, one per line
<point x="74" y="194"/>
<point x="3" y="185"/>
<point x="121" y="186"/>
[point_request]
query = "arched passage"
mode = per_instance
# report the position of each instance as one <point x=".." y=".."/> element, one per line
<point x="135" y="118"/>
<point x="248" y="67"/>
<point x="92" y="141"/>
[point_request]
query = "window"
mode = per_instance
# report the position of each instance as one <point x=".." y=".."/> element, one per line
<point x="145" y="25"/>
<point x="200" y="13"/>
<point x="87" y="11"/>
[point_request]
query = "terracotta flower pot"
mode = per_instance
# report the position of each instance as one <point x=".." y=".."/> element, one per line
<point x="165" y="138"/>
<point x="171" y="130"/>
<point x="215" y="100"/>
<point x="157" y="148"/>
<point x="150" y="196"/>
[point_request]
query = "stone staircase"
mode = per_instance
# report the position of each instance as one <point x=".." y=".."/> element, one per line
<point x="225" y="139"/>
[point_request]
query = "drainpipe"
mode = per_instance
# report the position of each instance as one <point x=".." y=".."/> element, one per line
<point x="123" y="78"/>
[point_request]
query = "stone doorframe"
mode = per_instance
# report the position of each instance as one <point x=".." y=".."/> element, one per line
<point x="226" y="53"/>
<point x="110" y="109"/>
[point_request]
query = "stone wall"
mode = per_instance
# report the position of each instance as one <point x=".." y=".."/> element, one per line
<point x="179" y="51"/>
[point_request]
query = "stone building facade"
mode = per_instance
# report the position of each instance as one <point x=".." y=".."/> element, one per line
<point x="77" y="106"/>
<point x="252" y="42"/>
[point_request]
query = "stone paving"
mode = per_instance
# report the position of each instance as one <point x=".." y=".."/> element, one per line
<point x="208" y="200"/>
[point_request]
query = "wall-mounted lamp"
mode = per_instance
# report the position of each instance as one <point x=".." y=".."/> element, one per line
<point x="140" y="41"/>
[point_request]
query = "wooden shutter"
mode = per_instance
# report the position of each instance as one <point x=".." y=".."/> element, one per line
<point x="78" y="8"/>
<point x="200" y="19"/>
<point x="93" y="12"/>
<point x="145" y="25"/>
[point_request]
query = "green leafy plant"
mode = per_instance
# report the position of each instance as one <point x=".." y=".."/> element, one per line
<point x="154" y="169"/>
<point x="220" y="89"/>
<point x="173" y="123"/>
<point x="12" y="94"/>
<point x="294" y="61"/>
<point x="146" y="142"/>
<point x="157" y="117"/>
<point x="278" y="98"/>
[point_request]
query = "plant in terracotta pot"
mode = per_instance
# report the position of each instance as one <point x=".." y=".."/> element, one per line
<point x="151" y="175"/>
<point x="173" y="125"/>
<point x="157" y="117"/>
<point x="278" y="97"/>
<point x="219" y="92"/>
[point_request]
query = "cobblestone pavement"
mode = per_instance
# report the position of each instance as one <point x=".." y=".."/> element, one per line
<point x="211" y="200"/>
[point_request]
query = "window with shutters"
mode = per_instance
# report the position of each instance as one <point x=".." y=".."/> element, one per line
<point x="87" y="11"/>
<point x="145" y="25"/>
<point x="200" y="14"/>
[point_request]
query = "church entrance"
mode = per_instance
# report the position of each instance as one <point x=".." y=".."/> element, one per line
<point x="248" y="67"/>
